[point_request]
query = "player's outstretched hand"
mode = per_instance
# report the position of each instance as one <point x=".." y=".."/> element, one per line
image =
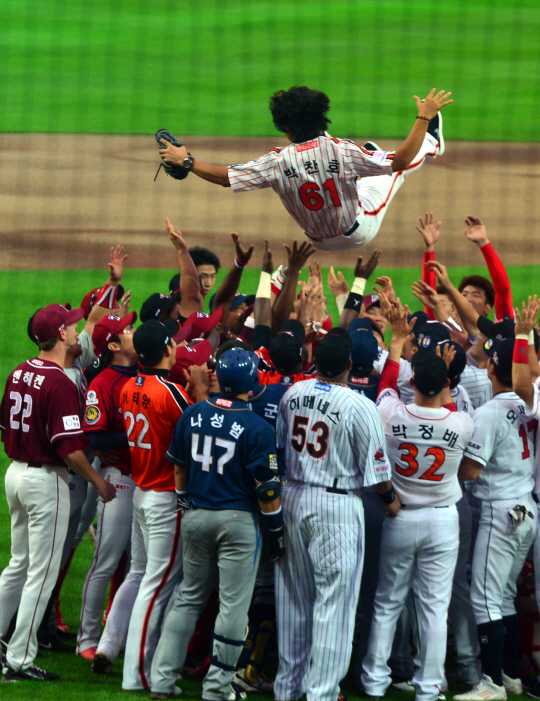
<point x="433" y="103"/>
<point x="429" y="231"/>
<point x="123" y="307"/>
<point x="364" y="270"/>
<point x="440" y="272"/>
<point x="116" y="264"/>
<point x="397" y="316"/>
<point x="338" y="285"/>
<point x="386" y="287"/>
<point x="174" y="155"/>
<point x="526" y="320"/>
<point x="475" y="231"/>
<point x="176" y="237"/>
<point x="267" y="262"/>
<point x="242" y="254"/>
<point x="106" y="490"/>
<point x="426" y="294"/>
<point x="448" y="353"/>
<point x="298" y="255"/>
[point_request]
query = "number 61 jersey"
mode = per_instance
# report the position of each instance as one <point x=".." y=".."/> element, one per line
<point x="425" y="448"/>
<point x="332" y="437"/>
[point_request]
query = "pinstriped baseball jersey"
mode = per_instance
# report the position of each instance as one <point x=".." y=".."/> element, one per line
<point x="329" y="432"/>
<point x="316" y="181"/>
<point x="425" y="447"/>
<point x="462" y="400"/>
<point x="477" y="384"/>
<point x="503" y="443"/>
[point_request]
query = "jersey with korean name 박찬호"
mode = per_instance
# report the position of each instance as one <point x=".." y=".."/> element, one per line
<point x="316" y="181"/>
<point x="425" y="447"/>
<point x="225" y="448"/>
<point x="151" y="408"/>
<point x="39" y="414"/>
<point x="503" y="443"/>
<point x="332" y="437"/>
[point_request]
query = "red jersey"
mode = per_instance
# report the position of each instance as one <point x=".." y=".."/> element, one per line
<point x="103" y="411"/>
<point x="151" y="408"/>
<point x="39" y="414"/>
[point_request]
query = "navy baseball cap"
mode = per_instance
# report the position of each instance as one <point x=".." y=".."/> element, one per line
<point x="150" y="339"/>
<point x="501" y="353"/>
<point x="174" y="284"/>
<point x="364" y="346"/>
<point x="333" y="353"/>
<point x="155" y="304"/>
<point x="431" y="334"/>
<point x="499" y="329"/>
<point x="458" y="364"/>
<point x="429" y="372"/>
<point x="421" y="320"/>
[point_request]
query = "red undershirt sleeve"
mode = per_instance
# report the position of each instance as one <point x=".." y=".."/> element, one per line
<point x="499" y="278"/>
<point x="389" y="376"/>
<point x="429" y="277"/>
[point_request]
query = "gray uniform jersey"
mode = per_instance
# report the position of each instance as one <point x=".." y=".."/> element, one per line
<point x="503" y="443"/>
<point x="332" y="436"/>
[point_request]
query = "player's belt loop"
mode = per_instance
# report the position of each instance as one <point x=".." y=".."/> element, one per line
<point x="334" y="489"/>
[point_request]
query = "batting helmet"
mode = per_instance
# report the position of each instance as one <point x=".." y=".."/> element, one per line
<point x="237" y="372"/>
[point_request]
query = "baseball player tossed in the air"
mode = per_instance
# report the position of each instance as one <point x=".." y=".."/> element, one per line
<point x="425" y="442"/>
<point x="500" y="456"/>
<point x="104" y="428"/>
<point x="40" y="426"/>
<point x="336" y="191"/>
<point x="225" y="473"/>
<point x="332" y="444"/>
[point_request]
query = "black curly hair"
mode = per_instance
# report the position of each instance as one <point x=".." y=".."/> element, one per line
<point x="300" y="112"/>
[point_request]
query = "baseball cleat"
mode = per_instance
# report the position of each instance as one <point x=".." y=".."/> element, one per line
<point x="53" y="642"/>
<point x="236" y="693"/>
<point x="514" y="687"/>
<point x="60" y="621"/>
<point x="405" y="685"/>
<point x="89" y="654"/>
<point x="534" y="690"/>
<point x="263" y="685"/>
<point x="31" y="673"/>
<point x="372" y="146"/>
<point x="176" y="691"/>
<point x="435" y="129"/>
<point x="102" y="663"/>
<point x="485" y="690"/>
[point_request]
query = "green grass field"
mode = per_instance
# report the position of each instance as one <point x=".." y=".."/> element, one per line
<point x="209" y="68"/>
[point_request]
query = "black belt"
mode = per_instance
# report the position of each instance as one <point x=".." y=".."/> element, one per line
<point x="35" y="464"/>
<point x="404" y="506"/>
<point x="334" y="489"/>
<point x="535" y="497"/>
<point x="353" y="228"/>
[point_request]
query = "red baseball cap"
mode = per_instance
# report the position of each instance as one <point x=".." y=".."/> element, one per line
<point x="371" y="301"/>
<point x="108" y="327"/>
<point x="187" y="356"/>
<point x="198" y="324"/>
<point x="49" y="321"/>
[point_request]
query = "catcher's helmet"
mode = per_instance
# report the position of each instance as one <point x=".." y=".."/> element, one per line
<point x="237" y="372"/>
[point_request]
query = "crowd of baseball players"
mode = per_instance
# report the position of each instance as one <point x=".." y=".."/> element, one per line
<point x="282" y="498"/>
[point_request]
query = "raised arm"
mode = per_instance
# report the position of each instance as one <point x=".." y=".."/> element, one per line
<point x="430" y="234"/>
<point x="283" y="305"/>
<point x="362" y="273"/>
<point x="191" y="299"/>
<point x="262" y="310"/>
<point x="106" y="301"/>
<point x="231" y="282"/>
<point x="466" y="311"/>
<point x="522" y="380"/>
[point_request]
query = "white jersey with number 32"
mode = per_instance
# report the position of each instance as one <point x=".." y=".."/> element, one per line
<point x="316" y="181"/>
<point x="425" y="447"/>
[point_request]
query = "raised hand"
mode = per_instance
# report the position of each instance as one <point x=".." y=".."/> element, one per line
<point x="116" y="263"/>
<point x="243" y="255"/>
<point x="526" y="319"/>
<point x="123" y="307"/>
<point x="298" y="255"/>
<point x="267" y="262"/>
<point x="429" y="231"/>
<point x="440" y="272"/>
<point x="338" y="285"/>
<point x="364" y="270"/>
<point x="475" y="231"/>
<point x="176" y="237"/>
<point x="448" y="354"/>
<point x="397" y="316"/>
<point x="433" y="103"/>
<point x="385" y="286"/>
<point x="426" y="294"/>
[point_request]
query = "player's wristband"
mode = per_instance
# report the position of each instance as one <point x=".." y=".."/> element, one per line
<point x="238" y="264"/>
<point x="427" y="119"/>
<point x="521" y="350"/>
<point x="530" y="337"/>
<point x="341" y="301"/>
<point x="264" y="290"/>
<point x="354" y="301"/>
<point x="388" y="497"/>
<point x="359" y="285"/>
<point x="272" y="521"/>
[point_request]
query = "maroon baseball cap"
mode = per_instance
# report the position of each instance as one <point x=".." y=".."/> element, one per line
<point x="108" y="327"/>
<point x="198" y="324"/>
<point x="187" y="356"/>
<point x="371" y="301"/>
<point x="49" y="321"/>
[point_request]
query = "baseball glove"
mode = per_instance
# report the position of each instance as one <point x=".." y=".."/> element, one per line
<point x="177" y="172"/>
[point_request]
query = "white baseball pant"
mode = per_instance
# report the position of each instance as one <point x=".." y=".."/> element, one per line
<point x="38" y="499"/>
<point x="317" y="589"/>
<point x="112" y="539"/>
<point x="375" y="194"/>
<point x="421" y="543"/>
<point x="160" y="527"/>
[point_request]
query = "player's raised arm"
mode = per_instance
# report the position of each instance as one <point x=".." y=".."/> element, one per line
<point x="179" y="156"/>
<point x="191" y="299"/>
<point x="297" y="258"/>
<point x="427" y="110"/>
<point x="353" y="304"/>
<point x="522" y="379"/>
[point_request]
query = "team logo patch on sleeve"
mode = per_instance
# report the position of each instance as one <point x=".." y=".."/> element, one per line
<point x="474" y="446"/>
<point x="273" y="462"/>
<point x="92" y="415"/>
<point x="322" y="386"/>
<point x="91" y="397"/>
<point x="71" y="423"/>
<point x="379" y="453"/>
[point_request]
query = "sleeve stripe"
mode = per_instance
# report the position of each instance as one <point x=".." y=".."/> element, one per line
<point x="66" y="433"/>
<point x="176" y="461"/>
<point x="175" y="394"/>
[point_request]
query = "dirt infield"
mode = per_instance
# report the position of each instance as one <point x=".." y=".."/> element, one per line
<point x="65" y="198"/>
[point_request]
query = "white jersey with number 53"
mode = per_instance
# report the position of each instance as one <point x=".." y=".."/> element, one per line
<point x="425" y="447"/>
<point x="316" y="181"/>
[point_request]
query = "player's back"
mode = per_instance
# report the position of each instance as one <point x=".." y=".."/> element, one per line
<point x="223" y="444"/>
<point x="504" y="442"/>
<point x="264" y="401"/>
<point x="366" y="386"/>
<point x="151" y="408"/>
<point x="329" y="432"/>
<point x="425" y="447"/>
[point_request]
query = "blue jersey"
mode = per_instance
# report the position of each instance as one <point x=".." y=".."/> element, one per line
<point x="368" y="386"/>
<point x="224" y="447"/>
<point x="265" y="402"/>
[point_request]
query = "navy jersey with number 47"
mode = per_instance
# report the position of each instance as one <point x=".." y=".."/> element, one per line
<point x="224" y="447"/>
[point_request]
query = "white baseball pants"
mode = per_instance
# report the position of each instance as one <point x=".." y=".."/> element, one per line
<point x="160" y="528"/>
<point x="317" y="589"/>
<point x="375" y="194"/>
<point x="38" y="499"/>
<point x="112" y="539"/>
<point x="421" y="543"/>
<point x="499" y="555"/>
